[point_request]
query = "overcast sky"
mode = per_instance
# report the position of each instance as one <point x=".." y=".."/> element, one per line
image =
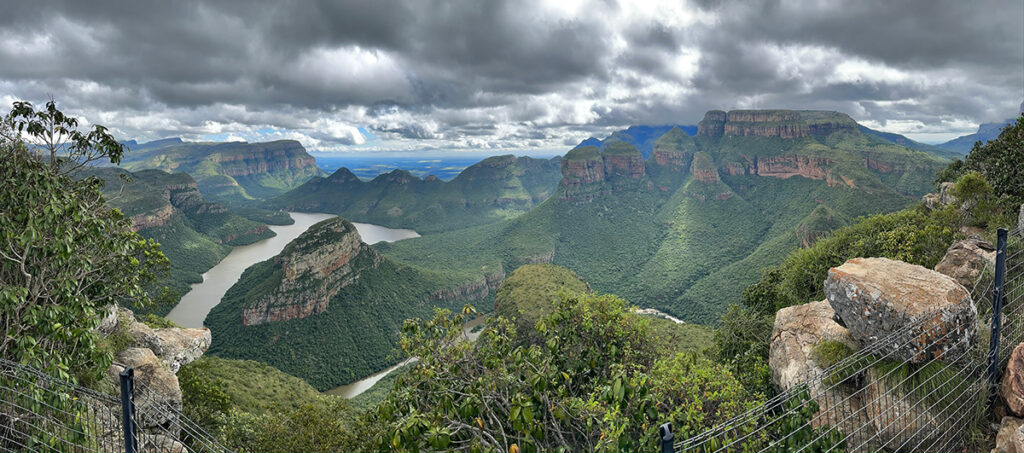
<point x="506" y="76"/>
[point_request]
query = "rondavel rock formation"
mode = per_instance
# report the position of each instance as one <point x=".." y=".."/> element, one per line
<point x="867" y="301"/>
<point x="155" y="355"/>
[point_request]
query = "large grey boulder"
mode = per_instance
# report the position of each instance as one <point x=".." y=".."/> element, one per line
<point x="965" y="260"/>
<point x="157" y="395"/>
<point x="1010" y="438"/>
<point x="797" y="330"/>
<point x="933" y="315"/>
<point x="181" y="347"/>
<point x="938" y="200"/>
<point x="1012" y="387"/>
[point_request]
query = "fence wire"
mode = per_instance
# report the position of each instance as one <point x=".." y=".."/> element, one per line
<point x="40" y="413"/>
<point x="876" y="400"/>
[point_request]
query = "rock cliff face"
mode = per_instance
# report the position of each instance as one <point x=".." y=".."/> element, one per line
<point x="264" y="158"/>
<point x="772" y="123"/>
<point x="313" y="269"/>
<point x="703" y="168"/>
<point x="588" y="173"/>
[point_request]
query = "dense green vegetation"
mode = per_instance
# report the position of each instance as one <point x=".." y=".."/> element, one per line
<point x="684" y="246"/>
<point x="255" y="407"/>
<point x="999" y="161"/>
<point x="234" y="173"/>
<point x="593" y="380"/>
<point x="529" y="293"/>
<point x="65" y="255"/>
<point x="194" y="234"/>
<point x="354" y="338"/>
<point x="496" y="188"/>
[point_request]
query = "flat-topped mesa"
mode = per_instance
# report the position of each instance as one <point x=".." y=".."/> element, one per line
<point x="259" y="158"/>
<point x="314" y="267"/>
<point x="788" y="124"/>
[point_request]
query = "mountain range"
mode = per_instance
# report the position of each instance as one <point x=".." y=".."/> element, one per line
<point x="685" y="230"/>
<point x="496" y="188"/>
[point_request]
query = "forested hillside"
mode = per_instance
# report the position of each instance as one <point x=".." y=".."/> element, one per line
<point x="686" y="230"/>
<point x="166" y="207"/>
<point x="497" y="188"/>
<point x="233" y="173"/>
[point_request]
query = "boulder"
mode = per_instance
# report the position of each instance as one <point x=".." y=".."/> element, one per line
<point x="159" y="443"/>
<point x="899" y="417"/>
<point x="877" y="297"/>
<point x="1010" y="438"/>
<point x="157" y="395"/>
<point x="797" y="330"/>
<point x="109" y="321"/>
<point x="144" y="336"/>
<point x="938" y="200"/>
<point x="966" y="260"/>
<point x="792" y="360"/>
<point x="1012" y="387"/>
<point x="182" y="346"/>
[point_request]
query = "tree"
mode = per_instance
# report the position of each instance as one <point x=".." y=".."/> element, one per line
<point x="64" y="256"/>
<point x="55" y="136"/>
<point x="593" y="382"/>
<point x="999" y="161"/>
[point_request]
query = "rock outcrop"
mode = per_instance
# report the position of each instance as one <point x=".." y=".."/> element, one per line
<point x="155" y="355"/>
<point x="1010" y="438"/>
<point x="703" y="168"/>
<point x="898" y="415"/>
<point x="588" y="172"/>
<point x="314" y="267"/>
<point x="938" y="200"/>
<point x="1012" y="387"/>
<point x="965" y="260"/>
<point x="876" y="297"/>
<point x="788" y="166"/>
<point x="798" y="329"/>
<point x="157" y="395"/>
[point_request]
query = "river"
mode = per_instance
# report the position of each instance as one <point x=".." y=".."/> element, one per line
<point x="202" y="297"/>
<point x="352" y="389"/>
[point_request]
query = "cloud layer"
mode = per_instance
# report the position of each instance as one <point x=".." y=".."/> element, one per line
<point x="506" y="76"/>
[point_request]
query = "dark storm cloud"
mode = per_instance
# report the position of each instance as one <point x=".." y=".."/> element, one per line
<point x="508" y="72"/>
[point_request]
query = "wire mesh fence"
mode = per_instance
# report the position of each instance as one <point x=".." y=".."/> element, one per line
<point x="877" y="400"/>
<point x="39" y="413"/>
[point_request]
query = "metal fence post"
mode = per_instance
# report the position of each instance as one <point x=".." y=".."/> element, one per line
<point x="131" y="441"/>
<point x="997" y="312"/>
<point x="665" y="433"/>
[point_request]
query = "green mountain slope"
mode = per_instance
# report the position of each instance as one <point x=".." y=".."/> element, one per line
<point x="494" y="189"/>
<point x="686" y="230"/>
<point x="234" y="173"/>
<point x="167" y="207"/>
<point x="329" y="308"/>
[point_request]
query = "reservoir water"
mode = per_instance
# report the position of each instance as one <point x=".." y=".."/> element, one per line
<point x="197" y="303"/>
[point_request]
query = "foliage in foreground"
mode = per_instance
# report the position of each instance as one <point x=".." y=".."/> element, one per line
<point x="64" y="256"/>
<point x="593" y="381"/>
